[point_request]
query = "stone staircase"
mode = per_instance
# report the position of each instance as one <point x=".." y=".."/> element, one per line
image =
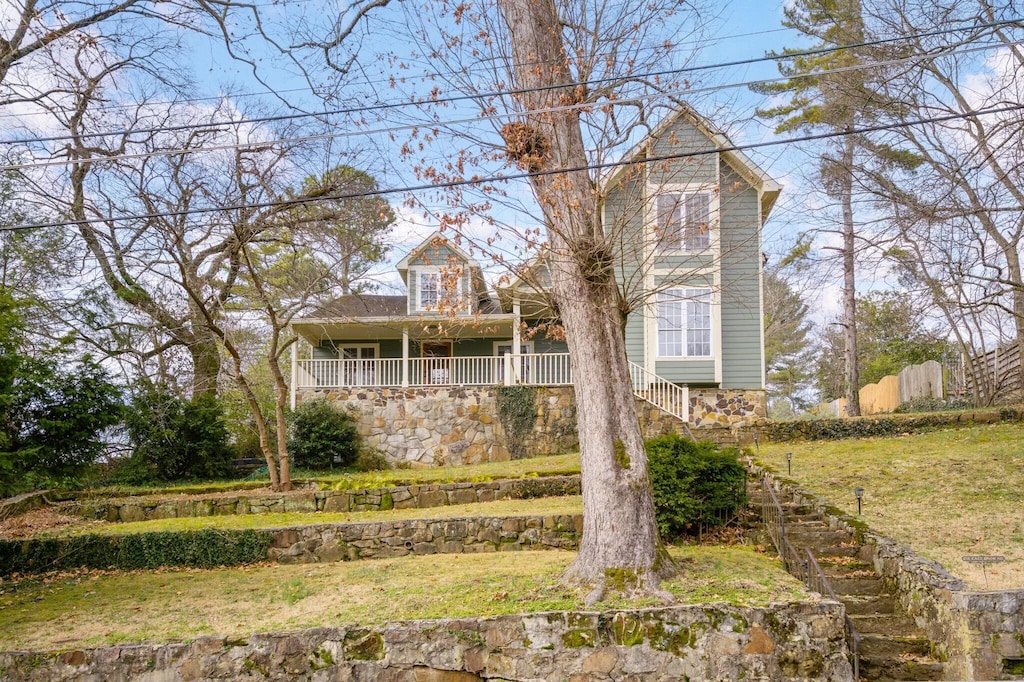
<point x="891" y="646"/>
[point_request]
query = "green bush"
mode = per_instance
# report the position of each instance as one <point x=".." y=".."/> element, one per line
<point x="869" y="427"/>
<point x="206" y="548"/>
<point x="924" y="404"/>
<point x="54" y="408"/>
<point x="322" y="436"/>
<point x="174" y="439"/>
<point x="370" y="459"/>
<point x="694" y="484"/>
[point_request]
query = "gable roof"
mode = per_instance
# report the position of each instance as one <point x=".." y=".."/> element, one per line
<point x="767" y="187"/>
<point x="435" y="239"/>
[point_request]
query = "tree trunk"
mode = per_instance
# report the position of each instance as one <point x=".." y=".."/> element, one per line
<point x="281" y="395"/>
<point x="849" y="282"/>
<point x="620" y="539"/>
<point x="1014" y="268"/>
<point x="206" y="361"/>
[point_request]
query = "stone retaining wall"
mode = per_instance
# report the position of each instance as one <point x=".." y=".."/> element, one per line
<point x="16" y="506"/>
<point x="385" y="539"/>
<point x="979" y="635"/>
<point x="456" y="425"/>
<point x="801" y="641"/>
<point x="398" y="497"/>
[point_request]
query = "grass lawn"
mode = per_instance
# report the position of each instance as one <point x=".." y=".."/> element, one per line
<point x="538" y="506"/>
<point x="945" y="493"/>
<point x="347" y="480"/>
<point x="62" y="612"/>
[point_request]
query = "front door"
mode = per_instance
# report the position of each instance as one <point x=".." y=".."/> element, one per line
<point x="437" y="361"/>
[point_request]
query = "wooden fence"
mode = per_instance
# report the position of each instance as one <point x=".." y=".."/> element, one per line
<point x="913" y="381"/>
<point x="995" y="375"/>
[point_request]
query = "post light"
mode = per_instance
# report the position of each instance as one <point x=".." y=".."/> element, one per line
<point x="859" y="492"/>
<point x="789" y="462"/>
<point x="757" y="444"/>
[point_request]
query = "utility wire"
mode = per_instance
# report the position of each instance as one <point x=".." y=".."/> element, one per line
<point x="384" y="106"/>
<point x="522" y="176"/>
<point x="475" y="119"/>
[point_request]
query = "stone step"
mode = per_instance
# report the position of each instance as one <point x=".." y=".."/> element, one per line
<point x="860" y="586"/>
<point x="878" y="647"/>
<point x="893" y="669"/>
<point x="848" y="550"/>
<point x="817" y="538"/>
<point x="863" y="605"/>
<point x="889" y="624"/>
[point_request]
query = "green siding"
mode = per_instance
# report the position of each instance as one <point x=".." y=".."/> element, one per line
<point x="682" y="136"/>
<point x="328" y="350"/>
<point x="740" y="277"/>
<point x="686" y="371"/>
<point x="436" y="255"/>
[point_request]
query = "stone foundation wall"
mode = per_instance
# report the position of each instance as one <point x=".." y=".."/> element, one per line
<point x="398" y="497"/>
<point x="727" y="407"/>
<point x="460" y="425"/>
<point x="979" y="635"/>
<point x="784" y="642"/>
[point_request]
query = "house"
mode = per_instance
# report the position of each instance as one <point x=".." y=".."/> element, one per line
<point x="424" y="371"/>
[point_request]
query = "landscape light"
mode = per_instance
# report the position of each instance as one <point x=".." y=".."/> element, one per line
<point x="859" y="492"/>
<point x="789" y="462"/>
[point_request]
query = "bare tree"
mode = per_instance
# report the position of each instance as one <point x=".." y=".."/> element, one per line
<point x="953" y="190"/>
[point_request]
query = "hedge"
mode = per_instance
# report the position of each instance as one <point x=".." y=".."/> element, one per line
<point x="207" y="548"/>
<point x="881" y="426"/>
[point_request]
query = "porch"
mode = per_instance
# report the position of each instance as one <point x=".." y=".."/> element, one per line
<point x="524" y="369"/>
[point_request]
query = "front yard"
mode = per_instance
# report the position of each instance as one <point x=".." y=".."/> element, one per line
<point x="946" y="494"/>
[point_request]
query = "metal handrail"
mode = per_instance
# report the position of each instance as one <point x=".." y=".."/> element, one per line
<point x="808" y="571"/>
<point x="819" y="582"/>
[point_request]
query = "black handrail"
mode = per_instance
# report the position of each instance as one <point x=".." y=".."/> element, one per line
<point x="806" y="570"/>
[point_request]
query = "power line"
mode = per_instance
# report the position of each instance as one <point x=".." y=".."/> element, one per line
<point x="425" y="76"/>
<point x="385" y="106"/>
<point x="299" y="201"/>
<point x="475" y="119"/>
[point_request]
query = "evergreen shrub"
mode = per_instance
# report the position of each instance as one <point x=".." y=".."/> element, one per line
<point x="174" y="439"/>
<point x="322" y="436"/>
<point x="695" y="485"/>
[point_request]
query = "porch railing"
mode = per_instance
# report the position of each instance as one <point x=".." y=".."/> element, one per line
<point x="530" y="369"/>
<point x="670" y="397"/>
<point x="525" y="369"/>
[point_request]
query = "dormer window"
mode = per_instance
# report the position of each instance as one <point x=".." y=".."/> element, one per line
<point x="683" y="221"/>
<point x="429" y="285"/>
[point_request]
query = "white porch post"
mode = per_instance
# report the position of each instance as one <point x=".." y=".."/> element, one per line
<point x="295" y="369"/>
<point x="517" y="342"/>
<point x="405" y="355"/>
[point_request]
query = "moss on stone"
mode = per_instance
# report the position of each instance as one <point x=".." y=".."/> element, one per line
<point x="364" y="645"/>
<point x="386" y="502"/>
<point x="627" y="630"/>
<point x="321" y="659"/>
<point x="579" y="637"/>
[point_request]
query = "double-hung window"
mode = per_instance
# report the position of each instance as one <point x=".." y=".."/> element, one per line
<point x="684" y="221"/>
<point x="429" y="285"/>
<point x="684" y="323"/>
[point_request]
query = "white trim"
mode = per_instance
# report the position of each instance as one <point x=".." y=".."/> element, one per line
<point x="528" y="344"/>
<point x="712" y="295"/>
<point x="464" y="294"/>
<point x="339" y="346"/>
<point x="654" y="190"/>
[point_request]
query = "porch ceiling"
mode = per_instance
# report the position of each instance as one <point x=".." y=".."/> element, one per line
<point x="479" y="327"/>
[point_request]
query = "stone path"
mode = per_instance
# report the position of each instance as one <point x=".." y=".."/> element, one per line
<point x="892" y="647"/>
